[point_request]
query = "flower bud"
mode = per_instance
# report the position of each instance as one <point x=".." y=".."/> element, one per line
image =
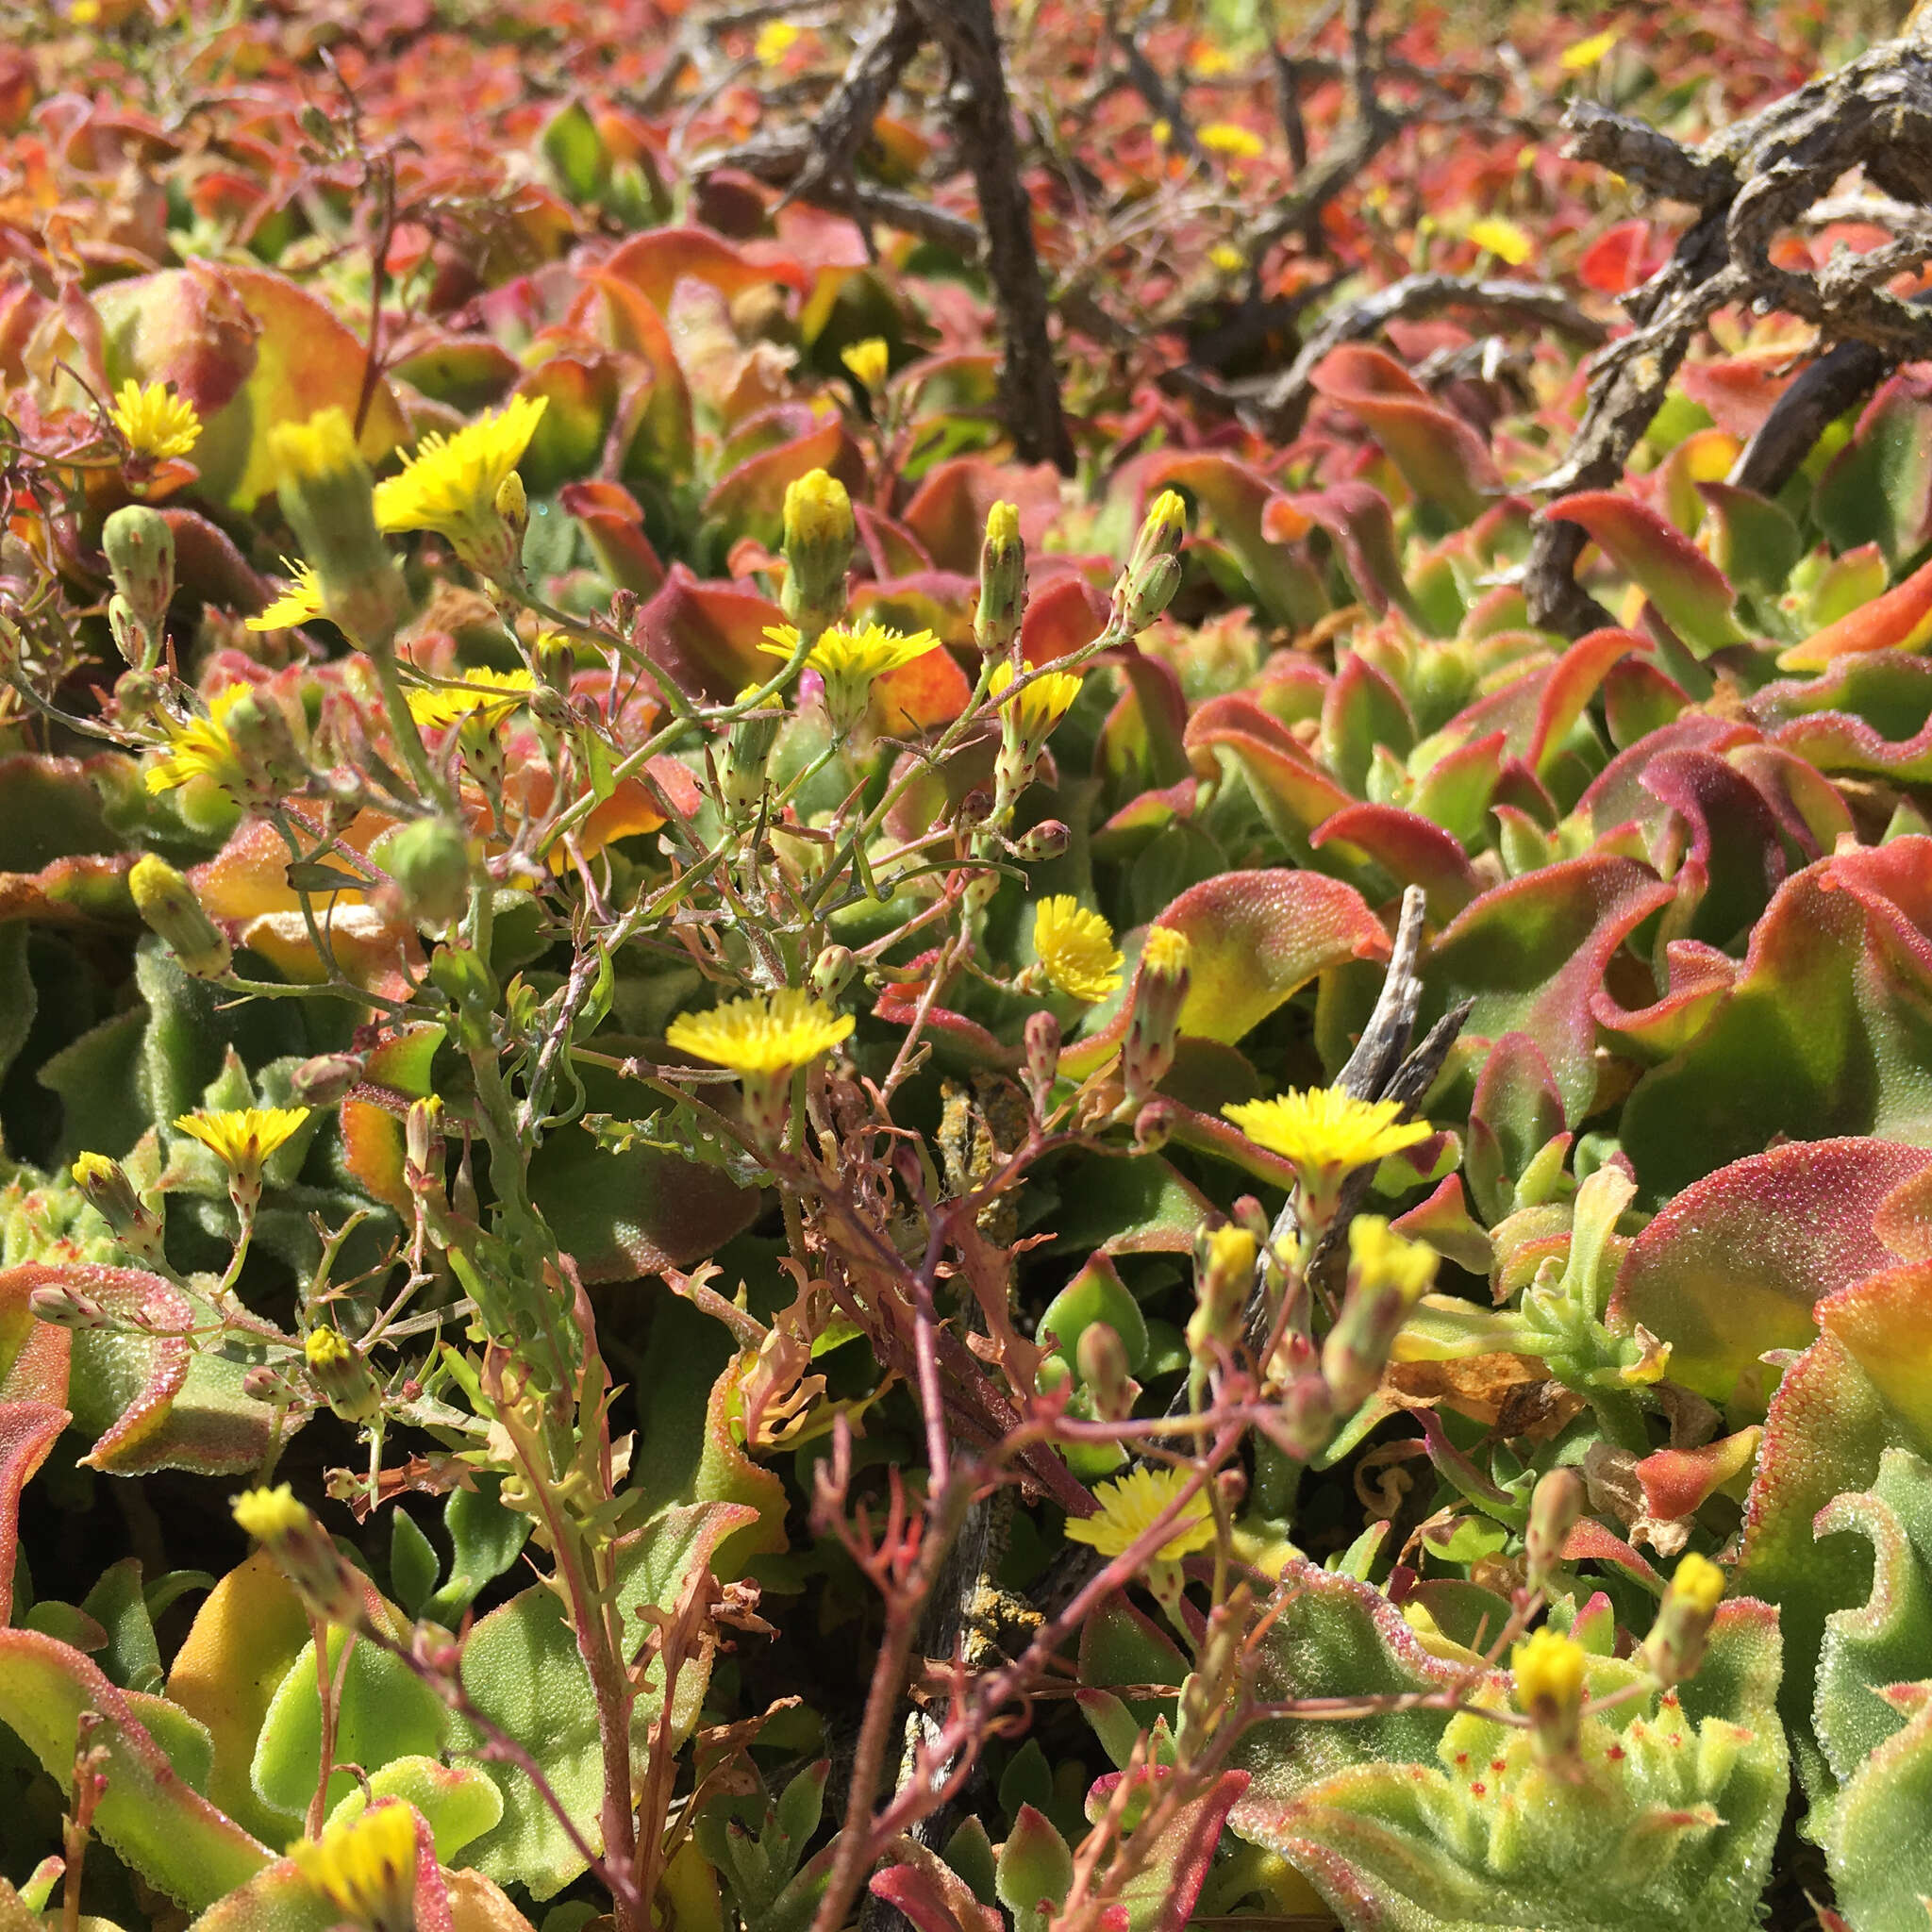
<point x="1549" y="1684"/>
<point x="329" y="1587"/>
<point x="1554" y="1507"/>
<point x="1146" y="586"/>
<point x="1002" y="582"/>
<point x="341" y="1376"/>
<point x="1304" y="1418"/>
<point x="137" y="647"/>
<point x="833" y="970"/>
<point x="1160" y="990"/>
<point x="748" y="753"/>
<point x="264" y="747"/>
<point x="1043" y="1050"/>
<point x="1048" y="840"/>
<point x="141" y="559"/>
<point x="1674" y="1647"/>
<point x="1101" y="1357"/>
<point x="513" y="507"/>
<point x="422" y="1136"/>
<point x="1387" y="1276"/>
<point x="869" y="362"/>
<point x="323" y="1080"/>
<point x="167" y="904"/>
<point x="61" y="1306"/>
<point x="112" y="1195"/>
<point x="1154" y="1125"/>
<point x="819" y="535"/>
<point x="429" y="861"/>
<point x="328" y="499"/>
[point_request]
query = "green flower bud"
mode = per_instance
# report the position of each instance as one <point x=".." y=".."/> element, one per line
<point x="324" y="1079"/>
<point x="1556" y="1504"/>
<point x="429" y="861"/>
<point x="265" y="747"/>
<point x="747" y="753"/>
<point x="1674" y="1647"/>
<point x="112" y="1195"/>
<point x="328" y="499"/>
<point x="1101" y="1357"/>
<point x="141" y="559"/>
<point x="1046" y="840"/>
<point x="819" y="535"/>
<point x="1152" y="575"/>
<point x="166" y="902"/>
<point x="1160" y="990"/>
<point x="833" y="970"/>
<point x="1002" y="582"/>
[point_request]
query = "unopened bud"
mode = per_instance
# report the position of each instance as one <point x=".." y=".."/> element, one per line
<point x="262" y="1384"/>
<point x="1304" y="1418"/>
<point x="167" y="904"/>
<point x="1101" y="1357"/>
<point x="1048" y="840"/>
<point x="1549" y="1673"/>
<point x="1556" y="1504"/>
<point x="1387" y="1276"/>
<point x="141" y="559"/>
<point x="833" y="970"/>
<point x="513" y="507"/>
<point x="341" y="1376"/>
<point x="430" y="863"/>
<point x="61" y="1306"/>
<point x="112" y="1195"/>
<point x="422" y="1136"/>
<point x="748" y="753"/>
<point x="1002" y="582"/>
<point x="1675" y="1648"/>
<point x="1043" y="1050"/>
<point x="1154" y="1125"/>
<point x="264" y="745"/>
<point x="1146" y="586"/>
<point x="329" y="501"/>
<point x="556" y="658"/>
<point x="819" y="535"/>
<point x="324" y="1079"/>
<point x="1160" y="991"/>
<point x="329" y="1587"/>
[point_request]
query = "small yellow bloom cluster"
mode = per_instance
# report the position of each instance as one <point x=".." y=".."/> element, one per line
<point x="1166" y="952"/>
<point x="1325" y="1131"/>
<point x="488" y="696"/>
<point x="1076" y="946"/>
<point x="1549" y="1679"/>
<point x="365" y="1867"/>
<point x="1503" y="238"/>
<point x="155" y="420"/>
<point x="1131" y="1505"/>
<point x="267" y="1514"/>
<point x="764" y="1034"/>
<point x="299" y="603"/>
<point x="453" y="483"/>
<point x="1380" y="1258"/>
<point x="241" y="1139"/>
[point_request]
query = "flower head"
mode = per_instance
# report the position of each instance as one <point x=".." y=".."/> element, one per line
<point x="156" y="421"/>
<point x="166" y="902"/>
<point x="1549" y="1673"/>
<point x="365" y="1867"/>
<point x="1379" y="1258"/>
<point x="1166" y="952"/>
<point x="817" y="510"/>
<point x="327" y="495"/>
<point x="1227" y="258"/>
<point x="488" y="696"/>
<point x="241" y="1139"/>
<point x="203" y="748"/>
<point x="765" y="1034"/>
<point x="1131" y="1505"/>
<point x="1323" y="1130"/>
<point x="298" y="604"/>
<point x="1075" y="945"/>
<point x="324" y="1348"/>
<point x="1504" y="239"/>
<point x="1700" y="1583"/>
<point x="305" y="1554"/>
<point x="1582" y="54"/>
<point x="869" y="361"/>
<point x="1041" y="703"/>
<point x="266" y="1514"/>
<point x="775" y="39"/>
<point x="452" y="483"/>
<point x="1229" y="138"/>
<point x="858" y="654"/>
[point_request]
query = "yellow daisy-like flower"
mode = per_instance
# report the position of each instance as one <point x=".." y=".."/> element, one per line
<point x="1504" y="239"/>
<point x="1700" y="1583"/>
<point x="299" y="603"/>
<point x="1325" y="1131"/>
<point x="1043" y="704"/>
<point x="156" y="421"/>
<point x="1378" y="1258"/>
<point x="1227" y="258"/>
<point x="1131" y="1505"/>
<point x="266" y="1514"/>
<point x="1229" y="138"/>
<point x="869" y="361"/>
<point x="1166" y="952"/>
<point x="1076" y="947"/>
<point x="490" y="695"/>
<point x="202" y="748"/>
<point x="775" y="39"/>
<point x="1549" y="1673"/>
<point x="243" y="1138"/>
<point x="855" y="655"/>
<point x="450" y="485"/>
<point x="366" y="1867"/>
<point x="764" y="1034"/>
<point x="1582" y="54"/>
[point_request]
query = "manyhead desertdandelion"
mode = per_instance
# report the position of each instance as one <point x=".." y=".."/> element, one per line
<point x="1075" y="947"/>
<point x="765" y="1039"/>
<point x="299" y="603"/>
<point x="465" y="488"/>
<point x="365" y="1867"/>
<point x="1130" y="1505"/>
<point x="243" y="1138"/>
<point x="849" y="660"/>
<point x="1327" y="1134"/>
<point x="204" y="748"/>
<point x="156" y="421"/>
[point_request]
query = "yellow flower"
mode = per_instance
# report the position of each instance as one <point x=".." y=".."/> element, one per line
<point x="266" y="1514"/>
<point x="490" y="695"/>
<point x="298" y="604"/>
<point x="324" y="1348"/>
<point x="867" y="361"/>
<point x="763" y="1034"/>
<point x="1503" y="239"/>
<point x="450" y="485"/>
<point x="156" y="421"/>
<point x="241" y="1139"/>
<point x="1227" y="258"/>
<point x="859" y="656"/>
<point x="776" y="38"/>
<point x="1228" y="138"/>
<point x="1166" y="952"/>
<point x="1323" y="1130"/>
<point x="1163" y="131"/>
<point x="1378" y="1258"/>
<point x="202" y="748"/>
<point x="1700" y="1583"/>
<point x="366" y="1867"/>
<point x="1233" y="1250"/>
<point x="322" y="446"/>
<point x="1076" y="947"/>
<point x="1131" y="1505"/>
<point x="1588" y="53"/>
<point x="1549" y="1673"/>
<point x="1043" y="702"/>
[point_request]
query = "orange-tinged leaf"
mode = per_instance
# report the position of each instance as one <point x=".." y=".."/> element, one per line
<point x="1690" y="593"/>
<point x="1901" y="620"/>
